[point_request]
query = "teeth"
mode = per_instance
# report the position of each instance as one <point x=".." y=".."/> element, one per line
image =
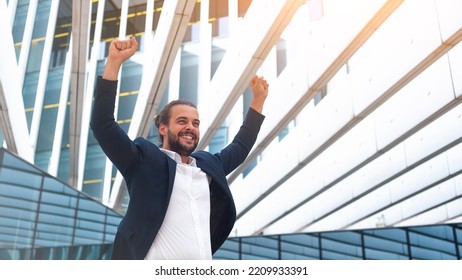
<point x="188" y="137"/>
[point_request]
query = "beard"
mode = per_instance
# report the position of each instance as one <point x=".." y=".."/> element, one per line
<point x="176" y="146"/>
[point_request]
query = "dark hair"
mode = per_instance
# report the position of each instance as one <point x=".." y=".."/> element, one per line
<point x="164" y="116"/>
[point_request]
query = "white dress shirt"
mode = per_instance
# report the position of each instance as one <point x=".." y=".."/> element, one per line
<point x="185" y="232"/>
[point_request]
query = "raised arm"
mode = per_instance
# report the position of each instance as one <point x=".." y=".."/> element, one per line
<point x="237" y="151"/>
<point x="115" y="143"/>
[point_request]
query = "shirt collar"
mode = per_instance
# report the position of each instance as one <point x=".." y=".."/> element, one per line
<point x="176" y="157"/>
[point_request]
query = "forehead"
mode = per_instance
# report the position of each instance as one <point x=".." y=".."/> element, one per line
<point x="184" y="111"/>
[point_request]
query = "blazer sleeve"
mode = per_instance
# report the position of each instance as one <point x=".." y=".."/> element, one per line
<point x="237" y="151"/>
<point x="116" y="144"/>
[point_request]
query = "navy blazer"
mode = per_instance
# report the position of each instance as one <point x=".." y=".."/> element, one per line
<point x="149" y="175"/>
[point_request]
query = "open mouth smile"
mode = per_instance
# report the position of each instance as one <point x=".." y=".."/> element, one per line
<point x="187" y="136"/>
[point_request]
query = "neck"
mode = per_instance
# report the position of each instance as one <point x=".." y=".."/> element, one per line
<point x="185" y="159"/>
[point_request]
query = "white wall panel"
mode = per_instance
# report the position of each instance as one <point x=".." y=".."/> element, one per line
<point x="429" y="198"/>
<point x="419" y="99"/>
<point x="375" y="172"/>
<point x="283" y="93"/>
<point x="387" y="216"/>
<point x="454" y="156"/>
<point x="454" y="208"/>
<point x="291" y="223"/>
<point x="452" y="188"/>
<point x="293" y="191"/>
<point x="458" y="184"/>
<point x="419" y="177"/>
<point x="329" y="200"/>
<point x="351" y="150"/>
<point x="430" y="217"/>
<point x="455" y="60"/>
<point x="333" y="169"/>
<point x="398" y="189"/>
<point x="325" y="119"/>
<point x="367" y="26"/>
<point x="437" y="134"/>
<point x="340" y="24"/>
<point x="329" y="116"/>
<point x="266" y="174"/>
<point x="375" y="200"/>
<point x="394" y="50"/>
<point x="449" y="16"/>
<point x="298" y="187"/>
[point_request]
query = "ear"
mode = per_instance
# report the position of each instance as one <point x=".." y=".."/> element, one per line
<point x="162" y="129"/>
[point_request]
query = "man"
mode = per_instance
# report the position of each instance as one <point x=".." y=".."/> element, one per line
<point x="180" y="204"/>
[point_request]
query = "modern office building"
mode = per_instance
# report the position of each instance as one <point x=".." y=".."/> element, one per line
<point x="360" y="154"/>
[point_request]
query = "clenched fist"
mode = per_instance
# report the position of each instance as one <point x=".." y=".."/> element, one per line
<point x="119" y="52"/>
<point x="259" y="88"/>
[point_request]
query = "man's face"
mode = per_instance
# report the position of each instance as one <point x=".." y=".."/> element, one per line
<point x="182" y="133"/>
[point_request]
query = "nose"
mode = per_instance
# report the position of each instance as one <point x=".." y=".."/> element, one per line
<point x="190" y="125"/>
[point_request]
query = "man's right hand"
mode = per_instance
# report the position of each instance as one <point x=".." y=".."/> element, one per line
<point x="119" y="52"/>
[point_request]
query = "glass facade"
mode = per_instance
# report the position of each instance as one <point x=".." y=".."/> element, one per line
<point x="43" y="218"/>
<point x="435" y="242"/>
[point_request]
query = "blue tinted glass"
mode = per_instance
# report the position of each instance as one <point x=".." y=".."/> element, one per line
<point x="8" y="160"/>
<point x="345" y="237"/>
<point x="385" y="245"/>
<point x="389" y="234"/>
<point x="372" y="254"/>
<point x="298" y="251"/>
<point x="302" y="239"/>
<point x="343" y="250"/>
<point x="429" y="247"/>
<point x="441" y="231"/>
<point x="420" y="253"/>
<point x="259" y="248"/>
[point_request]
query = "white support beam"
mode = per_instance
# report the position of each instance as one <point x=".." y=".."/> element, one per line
<point x="293" y="106"/>
<point x="61" y="115"/>
<point x="80" y="34"/>
<point x="27" y="40"/>
<point x="148" y="33"/>
<point x="160" y="57"/>
<point x="259" y="32"/>
<point x="12" y="6"/>
<point x="89" y="86"/>
<point x="12" y="117"/>
<point x="43" y="75"/>
<point x="172" y="26"/>
<point x="122" y="34"/>
<point x="205" y="61"/>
